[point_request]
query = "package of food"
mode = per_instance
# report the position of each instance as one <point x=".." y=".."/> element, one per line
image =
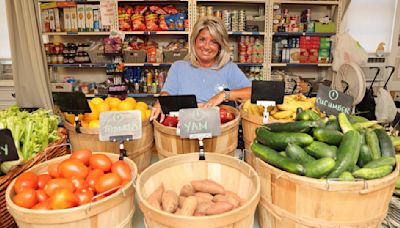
<point x="152" y="22"/>
<point x="138" y="22"/>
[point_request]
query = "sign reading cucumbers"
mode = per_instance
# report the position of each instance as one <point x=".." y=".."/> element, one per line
<point x="8" y="151"/>
<point x="120" y="125"/>
<point x="198" y="123"/>
<point x="332" y="102"/>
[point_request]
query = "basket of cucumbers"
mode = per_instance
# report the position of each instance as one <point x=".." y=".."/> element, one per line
<point x="345" y="166"/>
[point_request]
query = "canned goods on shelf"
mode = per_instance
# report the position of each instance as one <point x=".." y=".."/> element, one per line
<point x="210" y="11"/>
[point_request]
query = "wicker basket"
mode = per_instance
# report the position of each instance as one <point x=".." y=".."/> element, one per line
<point x="55" y="149"/>
<point x="393" y="217"/>
<point x="172" y="56"/>
<point x="260" y="25"/>
<point x="134" y="56"/>
<point x="97" y="56"/>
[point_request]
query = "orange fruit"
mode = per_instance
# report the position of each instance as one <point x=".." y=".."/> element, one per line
<point x="103" y="107"/>
<point x="70" y="118"/>
<point x="108" y="99"/>
<point x="84" y="124"/>
<point x="141" y="105"/>
<point x="114" y="109"/>
<point x="94" y="124"/>
<point x="125" y="106"/>
<point x="91" y="116"/>
<point x="113" y="102"/>
<point x="131" y="100"/>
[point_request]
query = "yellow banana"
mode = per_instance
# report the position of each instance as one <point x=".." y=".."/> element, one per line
<point x="283" y="114"/>
<point x="292" y="106"/>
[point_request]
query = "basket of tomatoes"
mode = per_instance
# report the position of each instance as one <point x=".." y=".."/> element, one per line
<point x="83" y="189"/>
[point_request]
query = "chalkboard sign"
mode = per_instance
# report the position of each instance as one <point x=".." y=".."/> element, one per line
<point x="332" y="102"/>
<point x="8" y="151"/>
<point x="267" y="91"/>
<point x="199" y="123"/>
<point x="120" y="125"/>
<point x="176" y="102"/>
<point x="71" y="102"/>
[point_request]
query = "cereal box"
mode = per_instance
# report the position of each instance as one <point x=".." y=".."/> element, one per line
<point x="45" y="21"/>
<point x="294" y="55"/>
<point x="52" y="20"/>
<point x="89" y="18"/>
<point x="57" y="19"/>
<point x="81" y="17"/>
<point x="74" y="19"/>
<point x="67" y="19"/>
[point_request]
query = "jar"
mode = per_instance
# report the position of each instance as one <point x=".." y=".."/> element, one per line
<point x="48" y="58"/>
<point x="71" y="58"/>
<point x="66" y="61"/>
<point x="53" y="59"/>
<point x="60" y="59"/>
<point x="56" y="48"/>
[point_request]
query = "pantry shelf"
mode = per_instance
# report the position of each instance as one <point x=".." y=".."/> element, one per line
<point x="301" y="64"/>
<point x="246" y="33"/>
<point x="234" y="1"/>
<point x="307" y="2"/>
<point x="148" y="64"/>
<point x="142" y="95"/>
<point x="76" y="33"/>
<point x="156" y="32"/>
<point x="77" y="65"/>
<point x="250" y="64"/>
<point x="303" y="34"/>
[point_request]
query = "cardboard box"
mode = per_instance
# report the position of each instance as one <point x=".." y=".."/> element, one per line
<point x="323" y="56"/>
<point x="328" y="28"/>
<point x="65" y="4"/>
<point x="61" y="87"/>
<point x="74" y="19"/>
<point x="67" y="19"/>
<point x="57" y="19"/>
<point x="304" y="55"/>
<point x="89" y="18"/>
<point x="52" y="20"/>
<point x="294" y="55"/>
<point x="45" y="21"/>
<point x="48" y="5"/>
<point x="96" y="18"/>
<point x="81" y="17"/>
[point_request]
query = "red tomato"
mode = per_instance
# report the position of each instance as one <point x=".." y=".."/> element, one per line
<point x="45" y="205"/>
<point x="41" y="195"/>
<point x="58" y="183"/>
<point x="107" y="182"/>
<point x="25" y="198"/>
<point x="63" y="198"/>
<point x="100" y="161"/>
<point x="53" y="170"/>
<point x="78" y="183"/>
<point x="84" y="196"/>
<point x="83" y="155"/>
<point x="73" y="168"/>
<point x="122" y="169"/>
<point x="42" y="180"/>
<point x="93" y="175"/>
<point x="26" y="180"/>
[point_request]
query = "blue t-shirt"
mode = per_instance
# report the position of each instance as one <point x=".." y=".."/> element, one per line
<point x="184" y="78"/>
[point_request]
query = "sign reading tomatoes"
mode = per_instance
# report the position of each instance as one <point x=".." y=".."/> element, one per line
<point x="124" y="125"/>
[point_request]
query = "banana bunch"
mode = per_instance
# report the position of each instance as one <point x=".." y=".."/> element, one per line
<point x="285" y="111"/>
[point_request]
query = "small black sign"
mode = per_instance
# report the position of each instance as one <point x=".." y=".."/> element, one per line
<point x="332" y="102"/>
<point x="267" y="91"/>
<point x="176" y="102"/>
<point x="71" y="102"/>
<point x="8" y="151"/>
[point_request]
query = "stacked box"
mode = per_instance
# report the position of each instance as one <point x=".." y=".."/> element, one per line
<point x="89" y="18"/>
<point x="309" y="47"/>
<point x="324" y="50"/>
<point x="80" y="8"/>
<point x="74" y="19"/>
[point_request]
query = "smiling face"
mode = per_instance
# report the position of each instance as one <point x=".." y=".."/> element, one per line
<point x="206" y="48"/>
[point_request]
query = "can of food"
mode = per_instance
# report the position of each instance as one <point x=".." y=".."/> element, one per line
<point x="202" y="11"/>
<point x="218" y="13"/>
<point x="210" y="11"/>
<point x="226" y="18"/>
<point x="235" y="20"/>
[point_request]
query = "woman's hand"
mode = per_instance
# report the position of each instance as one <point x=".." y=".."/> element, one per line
<point x="156" y="111"/>
<point x="215" y="100"/>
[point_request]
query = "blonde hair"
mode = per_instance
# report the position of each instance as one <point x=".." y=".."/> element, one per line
<point x="218" y="32"/>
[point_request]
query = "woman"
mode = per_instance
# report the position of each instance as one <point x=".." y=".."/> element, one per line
<point x="208" y="71"/>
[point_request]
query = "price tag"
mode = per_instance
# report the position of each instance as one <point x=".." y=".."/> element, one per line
<point x="120" y="126"/>
<point x="8" y="151"/>
<point x="332" y="101"/>
<point x="199" y="123"/>
<point x="71" y="102"/>
<point x="267" y="91"/>
<point x="175" y="103"/>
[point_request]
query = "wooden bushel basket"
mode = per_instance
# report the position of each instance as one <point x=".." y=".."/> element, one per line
<point x="292" y="201"/>
<point x="139" y="150"/>
<point x="115" y="210"/>
<point x="169" y="144"/>
<point x="53" y="150"/>
<point x="232" y="173"/>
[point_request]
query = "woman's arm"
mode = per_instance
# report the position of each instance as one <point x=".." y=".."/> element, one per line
<point x="156" y="110"/>
<point x="233" y="95"/>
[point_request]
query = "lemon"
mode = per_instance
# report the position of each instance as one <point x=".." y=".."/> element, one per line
<point x="92" y="106"/>
<point x="108" y="99"/>
<point x="141" y="106"/>
<point x="125" y="106"/>
<point x="114" y="102"/>
<point x="94" y="124"/>
<point x="97" y="100"/>
<point x="131" y="100"/>
<point x="103" y="107"/>
<point x="143" y="115"/>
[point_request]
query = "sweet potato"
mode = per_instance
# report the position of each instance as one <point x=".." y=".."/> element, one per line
<point x="204" y="195"/>
<point x="219" y="208"/>
<point x="202" y="208"/>
<point x="202" y="199"/>
<point x="181" y="200"/>
<point x="229" y="197"/>
<point x="187" y="190"/>
<point x="169" y="201"/>
<point x="155" y="197"/>
<point x="208" y="186"/>
<point x="189" y="206"/>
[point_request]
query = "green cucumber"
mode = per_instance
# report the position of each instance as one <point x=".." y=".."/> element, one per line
<point x="381" y="162"/>
<point x="297" y="153"/>
<point x="358" y="119"/>
<point x="280" y="140"/>
<point x="321" y="150"/>
<point x="385" y="143"/>
<point x="308" y="115"/>
<point x="363" y="125"/>
<point x="274" y="158"/>
<point x="355" y="167"/>
<point x="319" y="168"/>
<point x="362" y="136"/>
<point x="283" y="153"/>
<point x="373" y="173"/>
<point x="347" y="153"/>
<point x="365" y="155"/>
<point x="329" y="136"/>
<point x="346" y="176"/>
<point x="344" y="123"/>
<point x="333" y="124"/>
<point x="297" y="126"/>
<point x="373" y="143"/>
<point x="395" y="140"/>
